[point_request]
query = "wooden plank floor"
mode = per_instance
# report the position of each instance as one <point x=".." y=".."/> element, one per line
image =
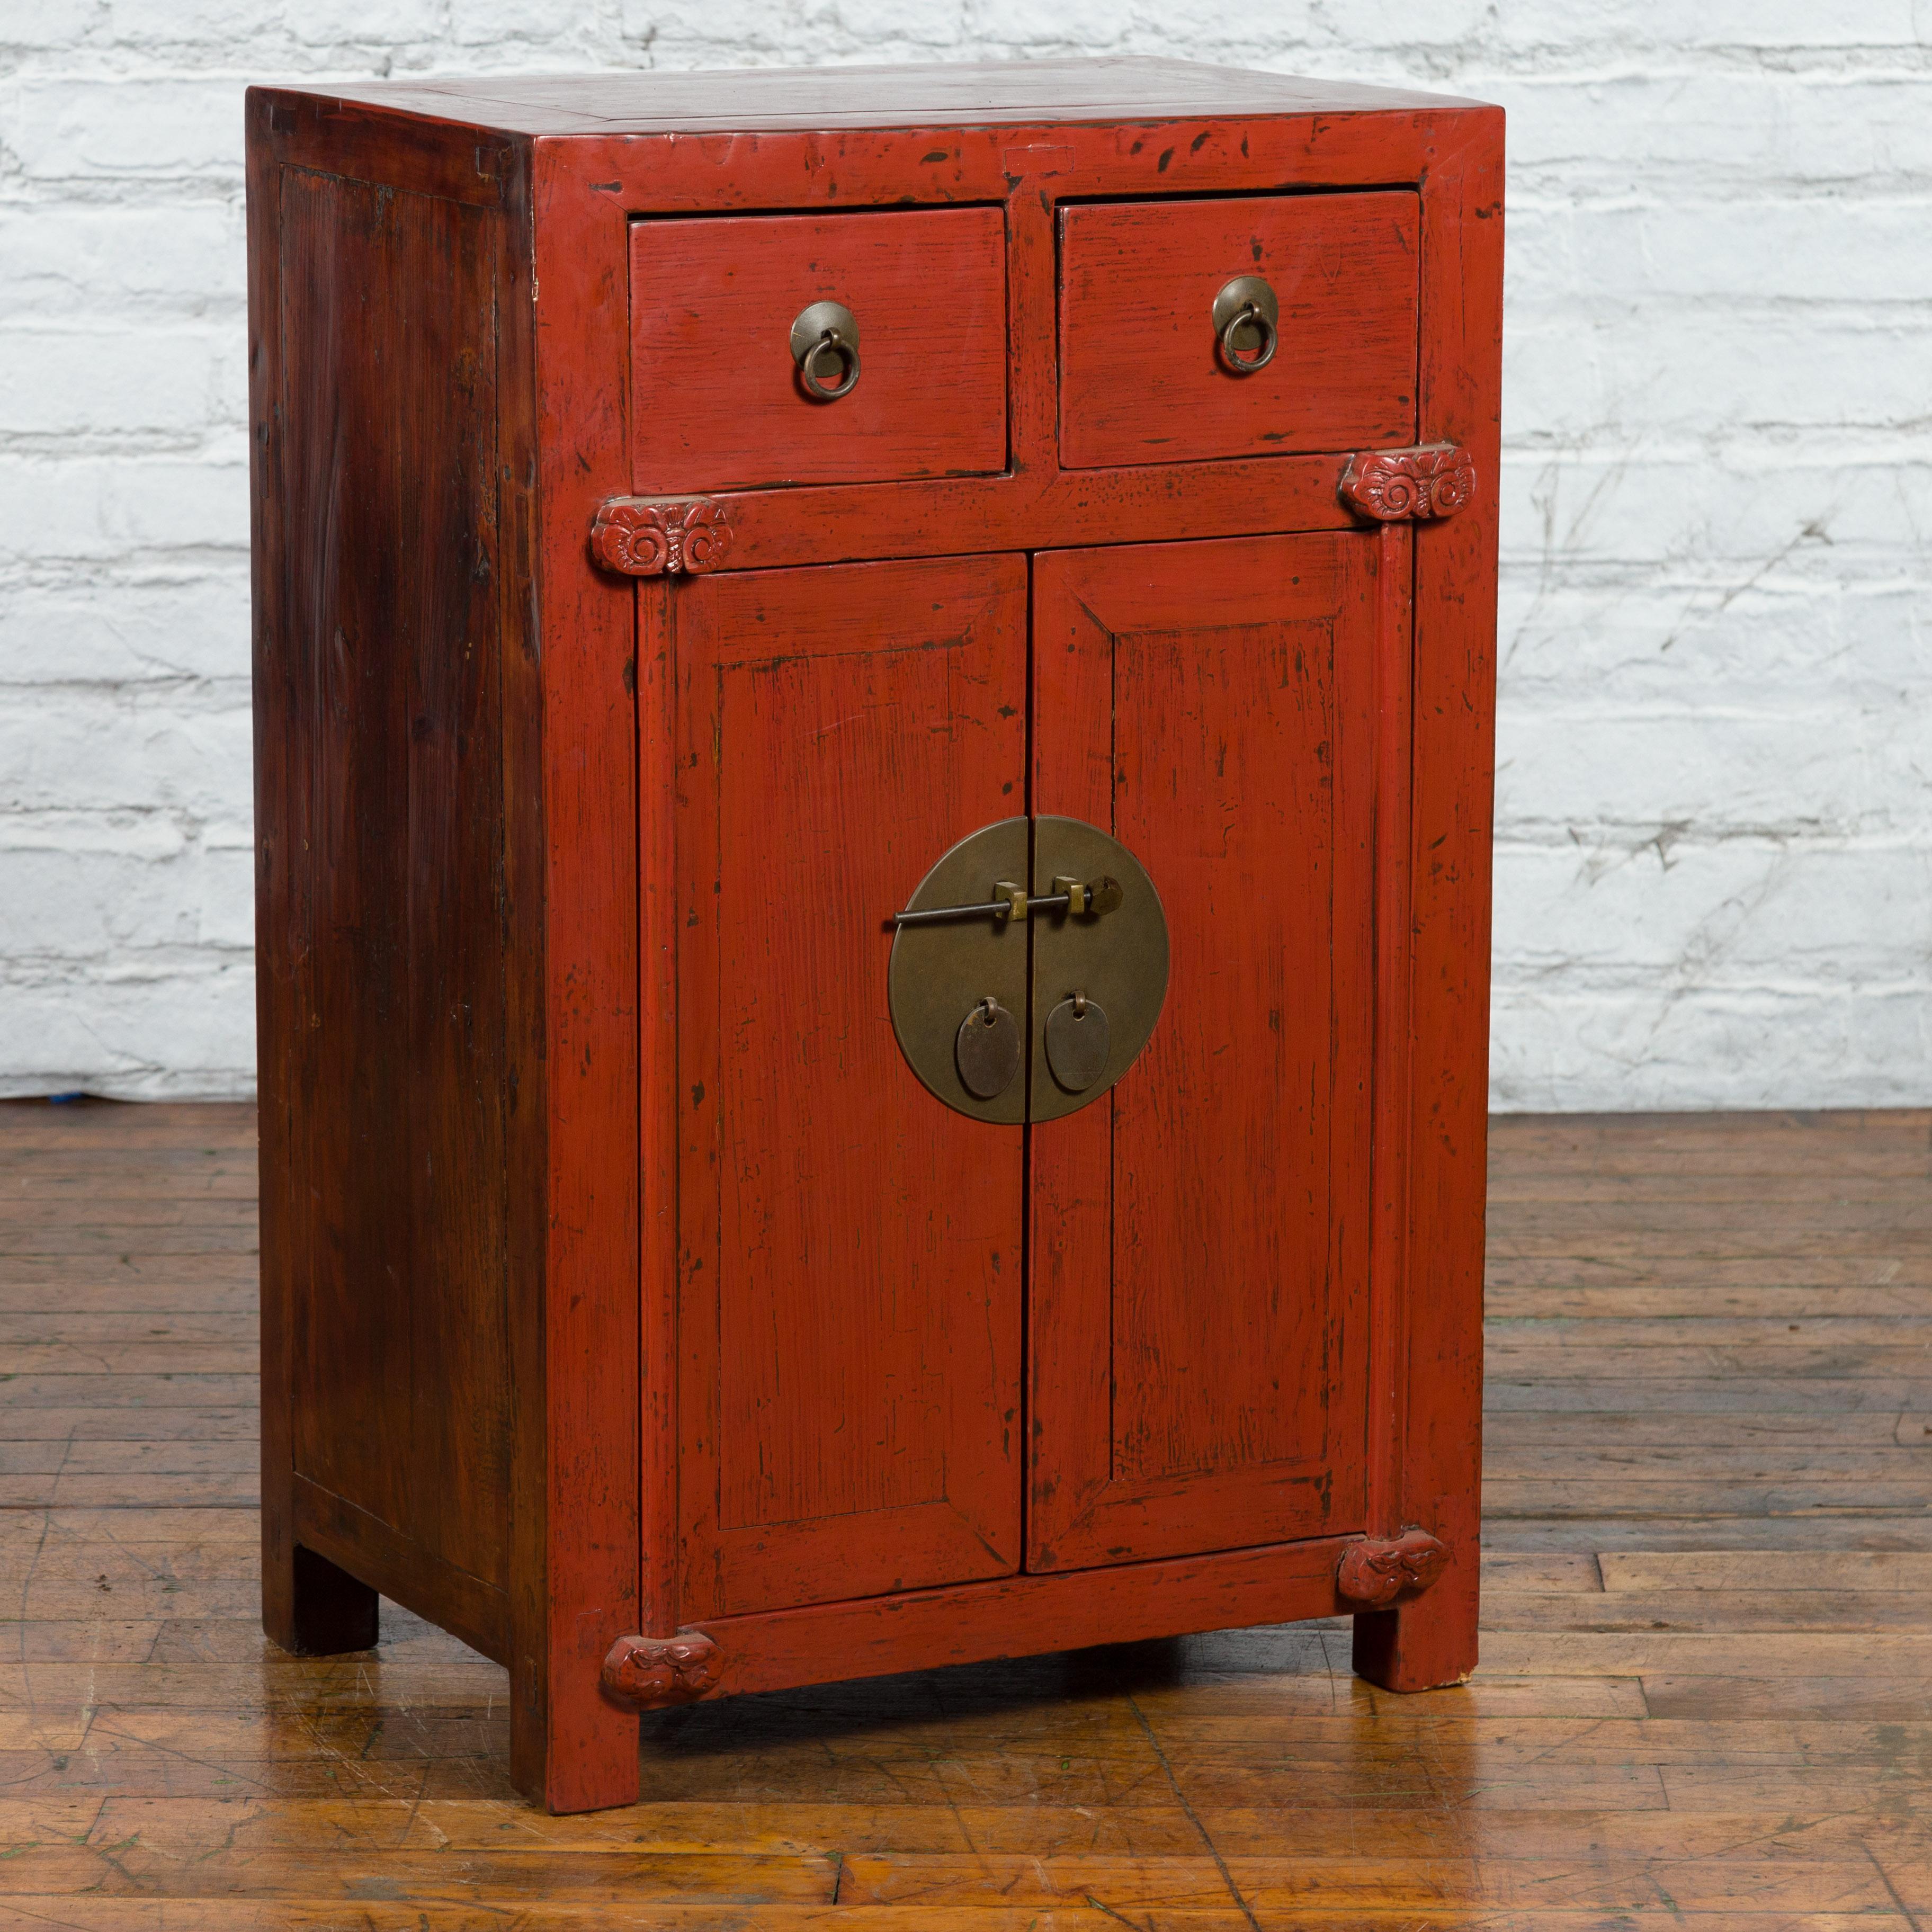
<point x="1706" y="1699"/>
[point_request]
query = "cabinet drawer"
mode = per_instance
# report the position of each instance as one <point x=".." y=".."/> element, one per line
<point x="717" y="398"/>
<point x="1142" y="378"/>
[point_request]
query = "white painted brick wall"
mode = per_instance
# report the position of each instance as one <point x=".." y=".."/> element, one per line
<point x="1714" y="868"/>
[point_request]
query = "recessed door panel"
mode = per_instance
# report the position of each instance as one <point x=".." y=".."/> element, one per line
<point x="1199" y="1364"/>
<point x="850" y="1310"/>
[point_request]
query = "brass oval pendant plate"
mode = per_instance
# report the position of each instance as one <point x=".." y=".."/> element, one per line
<point x="987" y="1050"/>
<point x="1078" y="1039"/>
<point x="1117" y="960"/>
<point x="1051" y="961"/>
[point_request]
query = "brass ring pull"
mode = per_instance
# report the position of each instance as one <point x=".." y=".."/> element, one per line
<point x="1246" y="365"/>
<point x="1247" y="302"/>
<point x="827" y="329"/>
<point x="830" y="343"/>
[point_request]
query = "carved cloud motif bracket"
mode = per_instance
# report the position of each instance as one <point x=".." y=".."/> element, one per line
<point x="1372" y="1575"/>
<point x="1389" y="486"/>
<point x="643" y="539"/>
<point x="649" y="1673"/>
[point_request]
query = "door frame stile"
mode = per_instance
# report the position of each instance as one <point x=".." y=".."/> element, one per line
<point x="1023" y="1463"/>
<point x="1387" y="1412"/>
<point x="1432" y="1639"/>
<point x="574" y="1526"/>
<point x="659" y="1528"/>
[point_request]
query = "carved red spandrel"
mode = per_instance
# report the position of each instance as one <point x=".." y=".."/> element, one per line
<point x="1390" y="486"/>
<point x="661" y="539"/>
<point x="647" y="1673"/>
<point x="1373" y="1574"/>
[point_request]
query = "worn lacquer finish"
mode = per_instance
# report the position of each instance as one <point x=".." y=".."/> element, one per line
<point x="849" y="1300"/>
<point x="712" y="304"/>
<point x="1141" y="379"/>
<point x="1199" y="1366"/>
<point x="584" y="1465"/>
<point x="620" y="1279"/>
<point x="1434" y="1317"/>
<point x="382" y="976"/>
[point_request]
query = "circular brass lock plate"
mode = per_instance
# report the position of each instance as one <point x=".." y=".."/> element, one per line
<point x="939" y="975"/>
<point x="1110" y="962"/>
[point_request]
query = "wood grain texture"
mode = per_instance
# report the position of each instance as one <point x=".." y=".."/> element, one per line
<point x="579" y="1431"/>
<point x="1198" y="1371"/>
<point x="463" y="941"/>
<point x="719" y="400"/>
<point x="1668" y="1734"/>
<point x="1045" y="91"/>
<point x="380" y="870"/>
<point x="850" y="1326"/>
<point x="1140" y="379"/>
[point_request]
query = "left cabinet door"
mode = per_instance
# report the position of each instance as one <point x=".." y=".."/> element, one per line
<point x="850" y="1279"/>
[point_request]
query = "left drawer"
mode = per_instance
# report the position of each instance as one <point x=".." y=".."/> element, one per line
<point x="718" y="399"/>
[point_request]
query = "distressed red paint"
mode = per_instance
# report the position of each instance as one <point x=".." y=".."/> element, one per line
<point x="629" y="1307"/>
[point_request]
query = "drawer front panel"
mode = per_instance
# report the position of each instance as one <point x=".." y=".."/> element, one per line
<point x="1141" y="377"/>
<point x="717" y="400"/>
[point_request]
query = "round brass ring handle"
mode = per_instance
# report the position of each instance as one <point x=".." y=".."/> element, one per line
<point x="1247" y="302"/>
<point x="1246" y="365"/>
<point x="830" y="343"/>
<point x="825" y="328"/>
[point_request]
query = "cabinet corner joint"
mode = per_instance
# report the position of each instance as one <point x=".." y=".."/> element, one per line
<point x="1391" y="486"/>
<point x="638" y="538"/>
<point x="651" y="1673"/>
<point x="1374" y="1573"/>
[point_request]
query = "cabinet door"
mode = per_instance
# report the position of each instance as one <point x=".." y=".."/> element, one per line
<point x="1199" y="1263"/>
<point x="850" y="1250"/>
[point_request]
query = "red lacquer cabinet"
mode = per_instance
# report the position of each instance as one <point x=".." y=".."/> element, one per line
<point x="874" y="707"/>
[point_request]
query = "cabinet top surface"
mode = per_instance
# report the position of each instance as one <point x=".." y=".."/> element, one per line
<point x="754" y="99"/>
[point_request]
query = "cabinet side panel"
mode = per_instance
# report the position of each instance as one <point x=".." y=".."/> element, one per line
<point x="382" y="916"/>
<point x="280" y="911"/>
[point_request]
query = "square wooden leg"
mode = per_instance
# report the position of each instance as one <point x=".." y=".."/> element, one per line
<point x="1426" y="1643"/>
<point x="570" y="1748"/>
<point x="318" y="1610"/>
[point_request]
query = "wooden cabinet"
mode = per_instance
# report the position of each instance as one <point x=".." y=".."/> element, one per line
<point x="734" y="558"/>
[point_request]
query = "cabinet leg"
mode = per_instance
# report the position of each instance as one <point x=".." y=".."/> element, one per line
<point x="1424" y="1644"/>
<point x="570" y="1748"/>
<point x="315" y="1610"/>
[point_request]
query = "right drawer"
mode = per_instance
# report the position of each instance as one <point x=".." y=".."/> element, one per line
<point x="1145" y="374"/>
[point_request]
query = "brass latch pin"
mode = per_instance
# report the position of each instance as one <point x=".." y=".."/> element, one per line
<point x="1010" y="901"/>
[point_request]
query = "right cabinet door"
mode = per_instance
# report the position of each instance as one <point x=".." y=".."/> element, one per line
<point x="1200" y="1235"/>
